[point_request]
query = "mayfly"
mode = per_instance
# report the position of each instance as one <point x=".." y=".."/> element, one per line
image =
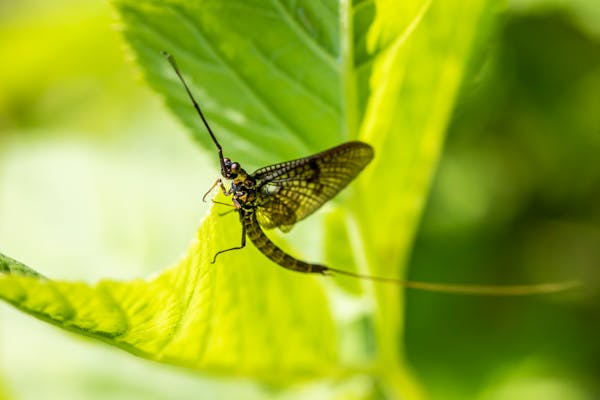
<point x="279" y="195"/>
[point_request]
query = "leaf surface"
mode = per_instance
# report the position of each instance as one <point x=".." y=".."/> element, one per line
<point x="225" y="317"/>
<point x="278" y="80"/>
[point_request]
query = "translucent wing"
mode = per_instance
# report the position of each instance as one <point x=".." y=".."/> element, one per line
<point x="291" y="191"/>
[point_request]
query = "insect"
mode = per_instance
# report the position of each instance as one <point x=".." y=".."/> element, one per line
<point x="279" y="195"/>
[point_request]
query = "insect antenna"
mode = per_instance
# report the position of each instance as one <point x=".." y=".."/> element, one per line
<point x="171" y="61"/>
<point x="485" y="290"/>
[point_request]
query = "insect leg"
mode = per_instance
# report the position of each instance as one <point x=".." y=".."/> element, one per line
<point x="225" y="204"/>
<point x="241" y="246"/>
<point x="227" y="212"/>
<point x="218" y="182"/>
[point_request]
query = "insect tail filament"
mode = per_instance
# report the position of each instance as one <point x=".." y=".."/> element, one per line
<point x="460" y="288"/>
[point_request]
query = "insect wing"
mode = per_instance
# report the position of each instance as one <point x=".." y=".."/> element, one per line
<point x="289" y="192"/>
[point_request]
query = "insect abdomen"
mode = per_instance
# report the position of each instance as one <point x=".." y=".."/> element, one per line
<point x="274" y="253"/>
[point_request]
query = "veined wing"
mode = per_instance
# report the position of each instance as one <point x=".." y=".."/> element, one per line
<point x="291" y="191"/>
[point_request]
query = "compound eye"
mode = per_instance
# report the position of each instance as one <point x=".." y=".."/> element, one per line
<point x="226" y="161"/>
<point x="235" y="168"/>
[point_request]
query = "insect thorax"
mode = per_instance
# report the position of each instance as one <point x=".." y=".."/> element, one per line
<point x="243" y="190"/>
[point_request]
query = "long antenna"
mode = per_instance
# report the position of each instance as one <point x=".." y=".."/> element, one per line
<point x="171" y="61"/>
<point x="485" y="290"/>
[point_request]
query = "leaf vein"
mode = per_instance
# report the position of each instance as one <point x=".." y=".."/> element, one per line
<point x="297" y="83"/>
<point x="309" y="40"/>
<point x="244" y="84"/>
<point x="124" y="318"/>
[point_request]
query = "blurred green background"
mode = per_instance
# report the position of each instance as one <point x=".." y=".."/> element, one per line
<point x="98" y="180"/>
<point x="517" y="199"/>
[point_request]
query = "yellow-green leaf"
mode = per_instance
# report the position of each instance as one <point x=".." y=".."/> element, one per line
<point x="239" y="316"/>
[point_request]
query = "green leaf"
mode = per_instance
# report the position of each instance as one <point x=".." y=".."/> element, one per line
<point x="231" y="319"/>
<point x="266" y="74"/>
<point x="280" y="80"/>
<point x="423" y="49"/>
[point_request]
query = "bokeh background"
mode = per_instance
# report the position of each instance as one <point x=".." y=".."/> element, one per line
<point x="97" y="179"/>
<point x="517" y="199"/>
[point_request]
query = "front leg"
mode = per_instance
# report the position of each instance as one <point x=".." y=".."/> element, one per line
<point x="218" y="182"/>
